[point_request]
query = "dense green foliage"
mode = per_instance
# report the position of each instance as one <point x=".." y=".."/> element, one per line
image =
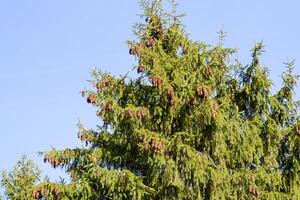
<point x="193" y="124"/>
<point x="19" y="182"/>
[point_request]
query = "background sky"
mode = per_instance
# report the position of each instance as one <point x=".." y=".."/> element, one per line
<point x="48" y="48"/>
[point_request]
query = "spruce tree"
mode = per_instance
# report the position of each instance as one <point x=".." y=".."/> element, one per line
<point x="193" y="124"/>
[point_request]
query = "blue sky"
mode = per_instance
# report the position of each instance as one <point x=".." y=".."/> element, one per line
<point x="48" y="48"/>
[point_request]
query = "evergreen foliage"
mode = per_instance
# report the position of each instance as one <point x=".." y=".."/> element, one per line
<point x="194" y="124"/>
<point x="19" y="182"/>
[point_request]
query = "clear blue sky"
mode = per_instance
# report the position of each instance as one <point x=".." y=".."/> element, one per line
<point x="47" y="49"/>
